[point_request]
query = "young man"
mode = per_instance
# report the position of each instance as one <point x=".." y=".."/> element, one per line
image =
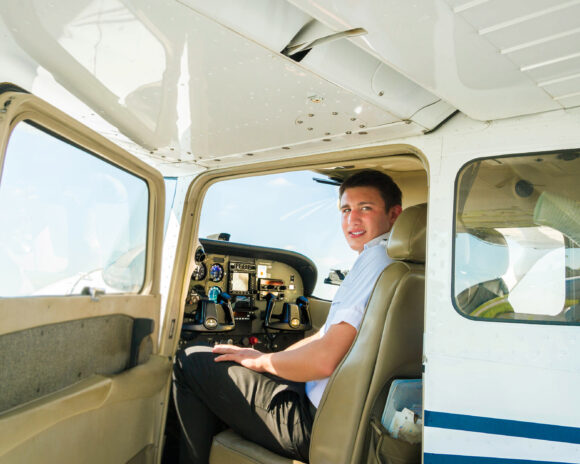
<point x="271" y="398"/>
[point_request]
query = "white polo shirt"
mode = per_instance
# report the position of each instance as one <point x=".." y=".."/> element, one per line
<point x="351" y="298"/>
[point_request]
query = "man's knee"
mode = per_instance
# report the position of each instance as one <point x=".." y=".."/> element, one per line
<point x="196" y="364"/>
<point x="194" y="356"/>
<point x="188" y="362"/>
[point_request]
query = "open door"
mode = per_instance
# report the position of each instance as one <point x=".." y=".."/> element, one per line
<point x="81" y="225"/>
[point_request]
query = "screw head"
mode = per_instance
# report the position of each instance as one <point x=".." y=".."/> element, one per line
<point x="316" y="98"/>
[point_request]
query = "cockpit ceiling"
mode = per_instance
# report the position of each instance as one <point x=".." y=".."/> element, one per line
<point x="177" y="84"/>
<point x="490" y="59"/>
<point x="190" y="84"/>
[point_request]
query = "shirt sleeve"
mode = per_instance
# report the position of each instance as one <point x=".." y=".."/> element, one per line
<point x="352" y="297"/>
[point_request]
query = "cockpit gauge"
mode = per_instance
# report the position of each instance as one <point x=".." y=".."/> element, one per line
<point x="213" y="293"/>
<point x="199" y="272"/>
<point x="192" y="298"/>
<point x="216" y="273"/>
<point x="199" y="254"/>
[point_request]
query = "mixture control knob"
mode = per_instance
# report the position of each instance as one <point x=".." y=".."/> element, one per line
<point x="254" y="340"/>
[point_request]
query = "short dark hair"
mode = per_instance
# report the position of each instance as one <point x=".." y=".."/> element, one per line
<point x="390" y="192"/>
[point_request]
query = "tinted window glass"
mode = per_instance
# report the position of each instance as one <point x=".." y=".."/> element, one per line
<point x="517" y="232"/>
<point x="69" y="220"/>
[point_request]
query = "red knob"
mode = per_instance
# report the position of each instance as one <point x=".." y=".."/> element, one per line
<point x="254" y="340"/>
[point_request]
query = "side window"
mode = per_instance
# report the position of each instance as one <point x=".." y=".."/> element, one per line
<point x="517" y="236"/>
<point x="69" y="219"/>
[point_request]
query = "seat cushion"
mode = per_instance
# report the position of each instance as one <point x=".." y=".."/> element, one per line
<point x="228" y="447"/>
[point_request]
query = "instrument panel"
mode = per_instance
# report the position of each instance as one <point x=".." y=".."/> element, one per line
<point x="257" y="296"/>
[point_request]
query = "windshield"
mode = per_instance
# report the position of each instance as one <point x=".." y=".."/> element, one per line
<point x="288" y="211"/>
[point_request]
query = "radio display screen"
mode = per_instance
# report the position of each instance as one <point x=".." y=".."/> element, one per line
<point x="240" y="282"/>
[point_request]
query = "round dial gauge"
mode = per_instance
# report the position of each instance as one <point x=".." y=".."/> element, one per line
<point x="213" y="293"/>
<point x="199" y="272"/>
<point x="216" y="273"/>
<point x="199" y="254"/>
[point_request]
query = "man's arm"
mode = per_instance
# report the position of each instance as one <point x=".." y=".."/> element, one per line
<point x="315" y="359"/>
<point x="303" y="342"/>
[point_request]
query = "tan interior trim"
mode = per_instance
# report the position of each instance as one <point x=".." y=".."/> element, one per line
<point x="23" y="313"/>
<point x="25" y="422"/>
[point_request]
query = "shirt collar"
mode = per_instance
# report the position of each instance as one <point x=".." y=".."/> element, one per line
<point x="377" y="240"/>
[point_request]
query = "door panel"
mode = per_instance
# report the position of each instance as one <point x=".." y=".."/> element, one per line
<point x="101" y="419"/>
<point x="79" y="303"/>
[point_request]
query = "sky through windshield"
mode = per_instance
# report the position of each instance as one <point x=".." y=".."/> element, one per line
<point x="288" y="211"/>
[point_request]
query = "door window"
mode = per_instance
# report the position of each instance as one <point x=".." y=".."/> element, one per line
<point x="70" y="220"/>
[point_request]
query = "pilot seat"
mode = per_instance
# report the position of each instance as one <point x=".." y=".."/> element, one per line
<point x="388" y="345"/>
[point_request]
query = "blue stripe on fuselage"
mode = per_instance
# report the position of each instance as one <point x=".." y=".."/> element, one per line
<point x="506" y="427"/>
<point x="430" y="458"/>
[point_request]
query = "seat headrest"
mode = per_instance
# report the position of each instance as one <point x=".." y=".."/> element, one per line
<point x="408" y="236"/>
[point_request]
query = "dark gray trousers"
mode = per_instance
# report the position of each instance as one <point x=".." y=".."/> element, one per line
<point x="265" y="409"/>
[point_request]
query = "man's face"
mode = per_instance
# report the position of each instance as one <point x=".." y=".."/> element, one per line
<point x="364" y="216"/>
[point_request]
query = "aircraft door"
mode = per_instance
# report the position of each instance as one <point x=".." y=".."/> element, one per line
<point x="80" y="249"/>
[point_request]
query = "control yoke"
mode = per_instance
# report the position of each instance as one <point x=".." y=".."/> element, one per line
<point x="294" y="316"/>
<point x="207" y="316"/>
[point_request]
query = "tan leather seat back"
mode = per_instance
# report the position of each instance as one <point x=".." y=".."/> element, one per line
<point x="388" y="345"/>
